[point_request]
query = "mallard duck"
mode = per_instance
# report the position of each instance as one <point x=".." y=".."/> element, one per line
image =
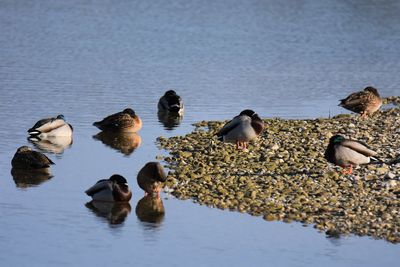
<point x="242" y="129"/>
<point x="365" y="102"/>
<point x="113" y="189"/>
<point x="171" y="102"/>
<point x="124" y="121"/>
<point x="51" y="127"/>
<point x="151" y="178"/>
<point x="27" y="159"/>
<point x="346" y="153"/>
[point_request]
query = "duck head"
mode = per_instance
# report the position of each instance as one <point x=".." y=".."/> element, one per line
<point x="248" y="112"/>
<point x="119" y="179"/>
<point x="129" y="111"/>
<point x="61" y="117"/>
<point x="170" y="93"/>
<point x="372" y="90"/>
<point x="23" y="149"/>
<point x="336" y="139"/>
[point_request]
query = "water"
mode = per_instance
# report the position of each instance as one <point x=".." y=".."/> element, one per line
<point x="291" y="59"/>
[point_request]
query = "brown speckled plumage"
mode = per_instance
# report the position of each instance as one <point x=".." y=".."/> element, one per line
<point x="365" y="102"/>
<point x="124" y="121"/>
<point x="26" y="158"/>
<point x="151" y="178"/>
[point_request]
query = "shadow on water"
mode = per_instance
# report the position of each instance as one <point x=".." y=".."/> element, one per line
<point x="114" y="212"/>
<point x="30" y="178"/>
<point x="150" y="211"/>
<point x="55" y="145"/>
<point x="169" y="120"/>
<point x="126" y="143"/>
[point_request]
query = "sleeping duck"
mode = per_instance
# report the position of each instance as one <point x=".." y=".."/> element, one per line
<point x="151" y="178"/>
<point x="242" y="129"/>
<point x="51" y="127"/>
<point x="365" y="102"/>
<point x="171" y="102"/>
<point x="124" y="121"/>
<point x="346" y="153"/>
<point x="113" y="189"/>
<point x="27" y="159"/>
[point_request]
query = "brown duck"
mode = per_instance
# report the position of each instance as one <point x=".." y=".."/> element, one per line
<point x="27" y="159"/>
<point x="365" y="102"/>
<point x="124" y="121"/>
<point x="151" y="178"/>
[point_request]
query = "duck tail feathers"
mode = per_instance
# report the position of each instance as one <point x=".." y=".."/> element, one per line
<point x="376" y="160"/>
<point x="34" y="132"/>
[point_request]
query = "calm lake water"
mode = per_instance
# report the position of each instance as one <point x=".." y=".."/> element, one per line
<point x="89" y="59"/>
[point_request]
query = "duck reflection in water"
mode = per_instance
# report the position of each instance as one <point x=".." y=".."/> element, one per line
<point x="114" y="212"/>
<point x="169" y="120"/>
<point x="150" y="209"/>
<point x="53" y="144"/>
<point x="124" y="142"/>
<point x="30" y="178"/>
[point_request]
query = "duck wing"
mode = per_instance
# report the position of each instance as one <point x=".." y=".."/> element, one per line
<point x="355" y="101"/>
<point x="117" y="120"/>
<point x="99" y="186"/>
<point x="46" y="125"/>
<point x="358" y="146"/>
<point x="229" y="126"/>
<point x="31" y="159"/>
<point x="345" y="155"/>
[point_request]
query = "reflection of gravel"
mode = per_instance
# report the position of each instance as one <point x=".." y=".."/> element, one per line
<point x="284" y="175"/>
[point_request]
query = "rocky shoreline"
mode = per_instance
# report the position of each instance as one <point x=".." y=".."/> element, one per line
<point x="284" y="176"/>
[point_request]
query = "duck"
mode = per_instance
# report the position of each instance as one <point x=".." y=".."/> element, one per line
<point x="151" y="178"/>
<point x="242" y="129"/>
<point x="347" y="153"/>
<point x="124" y="121"/>
<point x="51" y="127"/>
<point x="113" y="189"/>
<point x="171" y="102"/>
<point x="365" y="102"/>
<point x="27" y="159"/>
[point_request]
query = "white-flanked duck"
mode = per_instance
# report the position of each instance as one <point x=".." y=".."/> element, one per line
<point x="348" y="153"/>
<point x="51" y="127"/>
<point x="171" y="102"/>
<point x="113" y="189"/>
<point x="242" y="129"/>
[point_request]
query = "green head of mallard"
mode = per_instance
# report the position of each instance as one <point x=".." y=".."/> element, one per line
<point x="336" y="139"/>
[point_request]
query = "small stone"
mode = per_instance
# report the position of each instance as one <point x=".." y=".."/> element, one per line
<point x="275" y="147"/>
<point x="390" y="175"/>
